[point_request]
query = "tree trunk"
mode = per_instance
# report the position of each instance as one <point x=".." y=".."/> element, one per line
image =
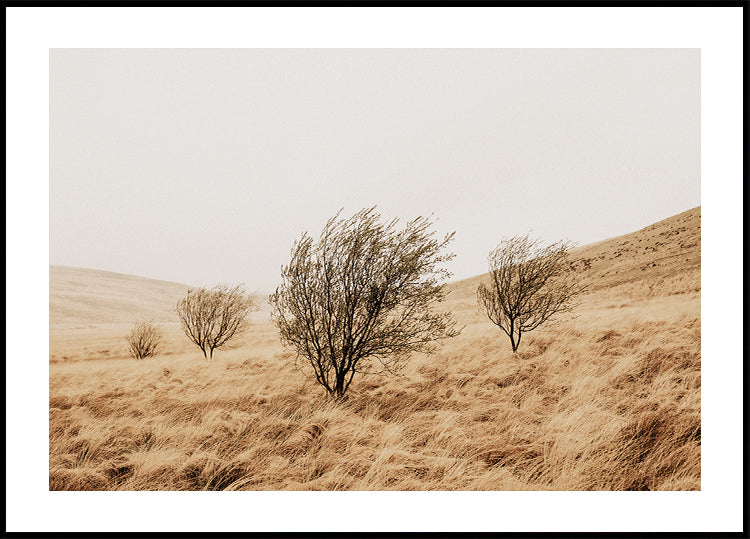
<point x="339" y="390"/>
<point x="513" y="342"/>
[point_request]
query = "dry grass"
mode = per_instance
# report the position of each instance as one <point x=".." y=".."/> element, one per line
<point x="607" y="401"/>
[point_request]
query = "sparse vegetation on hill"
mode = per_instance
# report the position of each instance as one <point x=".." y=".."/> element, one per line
<point x="608" y="401"/>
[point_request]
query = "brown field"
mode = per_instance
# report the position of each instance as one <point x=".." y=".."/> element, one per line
<point x="608" y="400"/>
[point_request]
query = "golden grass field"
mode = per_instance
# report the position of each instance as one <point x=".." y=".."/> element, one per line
<point x="608" y="400"/>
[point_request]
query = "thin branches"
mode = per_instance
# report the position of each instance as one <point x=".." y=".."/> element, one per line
<point x="529" y="285"/>
<point x="144" y="339"/>
<point x="362" y="296"/>
<point x="211" y="318"/>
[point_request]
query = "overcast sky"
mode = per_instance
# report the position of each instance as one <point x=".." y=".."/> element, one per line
<point x="204" y="166"/>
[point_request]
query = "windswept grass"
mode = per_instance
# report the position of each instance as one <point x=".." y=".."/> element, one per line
<point x="589" y="405"/>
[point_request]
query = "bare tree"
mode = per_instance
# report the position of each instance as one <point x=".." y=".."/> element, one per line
<point x="529" y="284"/>
<point x="359" y="300"/>
<point x="212" y="317"/>
<point x="144" y="339"/>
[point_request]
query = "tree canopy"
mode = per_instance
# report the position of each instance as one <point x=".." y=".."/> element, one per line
<point x="361" y="298"/>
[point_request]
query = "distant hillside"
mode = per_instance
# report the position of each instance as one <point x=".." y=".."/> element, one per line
<point x="665" y="255"/>
<point x="664" y="251"/>
<point x="81" y="297"/>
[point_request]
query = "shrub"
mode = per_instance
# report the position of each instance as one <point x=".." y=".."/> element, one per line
<point x="144" y="339"/>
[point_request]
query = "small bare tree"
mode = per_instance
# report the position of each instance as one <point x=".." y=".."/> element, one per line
<point x="529" y="284"/>
<point x="144" y="339"/>
<point x="212" y="317"/>
<point x="359" y="300"/>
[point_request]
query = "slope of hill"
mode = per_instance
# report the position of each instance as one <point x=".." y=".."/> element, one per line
<point x="81" y="297"/>
<point x="657" y="253"/>
<point x="662" y="258"/>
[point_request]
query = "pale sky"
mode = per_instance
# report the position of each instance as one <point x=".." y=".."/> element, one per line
<point x="203" y="166"/>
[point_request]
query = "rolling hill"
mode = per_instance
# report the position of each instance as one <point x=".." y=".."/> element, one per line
<point x="662" y="258"/>
<point x="657" y="255"/>
<point x="81" y="297"/>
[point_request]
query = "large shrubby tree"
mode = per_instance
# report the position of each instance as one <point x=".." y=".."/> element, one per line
<point x="529" y="284"/>
<point x="361" y="298"/>
<point x="212" y="317"/>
